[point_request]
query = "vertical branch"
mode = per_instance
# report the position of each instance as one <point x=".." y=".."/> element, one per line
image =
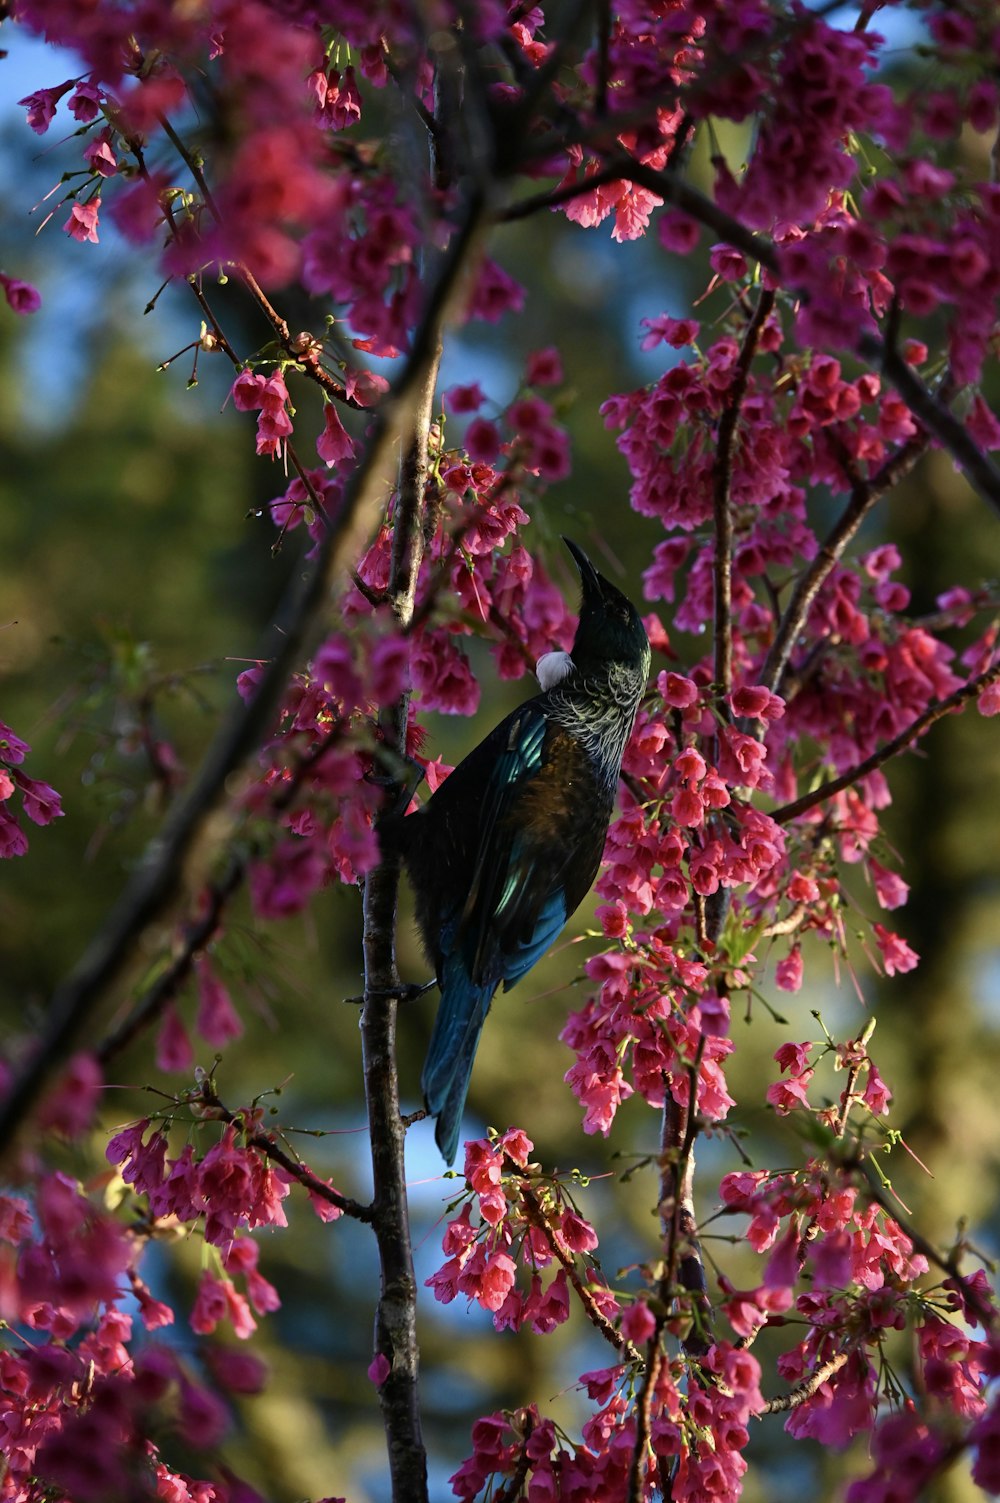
<point x="395" y="1318"/>
<point x="683" y="1265"/>
<point x="722" y="501"/>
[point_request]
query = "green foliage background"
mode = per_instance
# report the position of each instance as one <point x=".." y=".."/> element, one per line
<point x="134" y="571"/>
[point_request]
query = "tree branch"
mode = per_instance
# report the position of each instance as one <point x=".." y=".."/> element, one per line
<point x="396" y="1314"/>
<point x="892" y="748"/>
<point x="683" y="1260"/>
<point x="723" y="479"/>
<point x="808" y="1387"/>
<point x="864" y="495"/>
<point x="293" y="1166"/>
<point x="595" y="1315"/>
<point x="158" y="876"/>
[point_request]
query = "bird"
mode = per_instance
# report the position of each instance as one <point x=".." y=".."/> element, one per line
<point x="508" y="846"/>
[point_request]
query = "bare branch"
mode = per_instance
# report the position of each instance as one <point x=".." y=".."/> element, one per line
<point x="396" y="1313"/>
<point x="643" y="1419"/>
<point x="683" y="1264"/>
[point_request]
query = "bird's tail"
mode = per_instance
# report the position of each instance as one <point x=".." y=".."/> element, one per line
<point x="448" y="1067"/>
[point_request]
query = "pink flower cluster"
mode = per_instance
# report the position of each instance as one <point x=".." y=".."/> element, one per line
<point x="38" y="801"/>
<point x="660" y="1011"/>
<point x="79" y="1398"/>
<point x="231" y="1188"/>
<point x="863" y="1274"/>
<point x="483" y="1254"/>
<point x="695" y="1439"/>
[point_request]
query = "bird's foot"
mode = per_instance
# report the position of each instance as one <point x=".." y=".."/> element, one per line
<point x="402" y="773"/>
<point x="405" y="992"/>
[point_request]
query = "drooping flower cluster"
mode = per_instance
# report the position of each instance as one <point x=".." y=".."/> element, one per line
<point x="81" y="1394"/>
<point x="513" y="1221"/>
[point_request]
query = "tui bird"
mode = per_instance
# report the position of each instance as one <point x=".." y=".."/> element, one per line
<point x="508" y="846"/>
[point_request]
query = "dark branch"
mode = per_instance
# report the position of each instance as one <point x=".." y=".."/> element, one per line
<point x="864" y="495"/>
<point x="723" y="479"/>
<point x="891" y="749"/>
<point x="155" y="883"/>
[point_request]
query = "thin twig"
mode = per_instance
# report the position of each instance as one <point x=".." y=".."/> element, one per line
<point x="265" y="1144"/>
<point x="213" y="901"/>
<point x="864" y="495"/>
<point x="982" y="1309"/>
<point x="891" y="748"/>
<point x="683" y="1264"/>
<point x="643" y="1419"/>
<point x="199" y="932"/>
<point x="807" y="1388"/>
<point x="607" y="1328"/>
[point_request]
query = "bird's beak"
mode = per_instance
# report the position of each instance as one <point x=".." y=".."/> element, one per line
<point x="592" y="587"/>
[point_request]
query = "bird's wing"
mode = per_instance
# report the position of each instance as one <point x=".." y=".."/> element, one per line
<point x="516" y="905"/>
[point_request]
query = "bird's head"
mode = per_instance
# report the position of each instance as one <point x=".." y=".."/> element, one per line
<point x="610" y="630"/>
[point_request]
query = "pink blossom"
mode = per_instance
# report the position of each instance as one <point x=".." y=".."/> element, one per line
<point x="442" y="675"/>
<point x="897" y="956"/>
<point x="334" y="443"/>
<point x="677" y="690"/>
<point x="15" y="1219"/>
<point x="638" y="1323"/>
<point x="217" y="1021"/>
<point x="876" y="1094"/>
<point x="41" y="803"/>
<point x="41" y="106"/>
<point x="21" y="296"/>
<point x="100" y="156"/>
<point x="12" y="837"/>
<point x="138" y="210"/>
<point x="85" y="101"/>
<point x="989" y="700"/>
<point x="173" y="1044"/>
<point x="389" y="669"/>
<point x="673" y="331"/>
<point x="379" y="1369"/>
<point x="482" y="441"/>
<point x="794" y="1057"/>
<point x="788" y="971"/>
<point x="82" y="221"/>
<point x="545" y="1310"/>
<point x="495" y="293"/>
<point x="459" y="399"/>
<point x="517" y="1146"/>
<point x="786" y="1095"/>
<point x="210" y="1306"/>
<point x="70" y="1105"/>
<point x="496" y="1281"/>
<point x="544" y="367"/>
<point x="12" y="748"/>
<point x="890" y="889"/>
<point x="283" y="883"/>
